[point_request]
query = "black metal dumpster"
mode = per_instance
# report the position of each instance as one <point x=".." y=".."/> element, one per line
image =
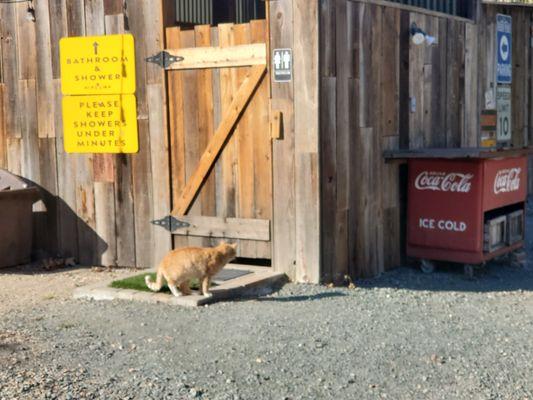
<point x="16" y="220"/>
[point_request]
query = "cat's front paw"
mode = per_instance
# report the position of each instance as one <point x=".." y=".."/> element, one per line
<point x="208" y="295"/>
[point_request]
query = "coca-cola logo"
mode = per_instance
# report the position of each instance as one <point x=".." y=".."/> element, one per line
<point x="507" y="180"/>
<point x="444" y="181"/>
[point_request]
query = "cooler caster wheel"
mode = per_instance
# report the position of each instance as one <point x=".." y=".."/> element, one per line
<point x="518" y="258"/>
<point x="469" y="271"/>
<point x="427" y="266"/>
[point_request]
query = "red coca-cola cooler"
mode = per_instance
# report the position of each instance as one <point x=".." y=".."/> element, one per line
<point x="464" y="207"/>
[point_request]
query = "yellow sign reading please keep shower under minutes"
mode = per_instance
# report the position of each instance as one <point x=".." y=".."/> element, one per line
<point x="100" y="124"/>
<point x="97" y="65"/>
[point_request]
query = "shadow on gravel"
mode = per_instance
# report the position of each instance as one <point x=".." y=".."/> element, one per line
<point x="318" y="296"/>
<point x="494" y="277"/>
<point x="36" y="268"/>
<point x="8" y="347"/>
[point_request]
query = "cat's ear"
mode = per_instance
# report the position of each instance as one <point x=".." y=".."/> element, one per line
<point x="234" y="245"/>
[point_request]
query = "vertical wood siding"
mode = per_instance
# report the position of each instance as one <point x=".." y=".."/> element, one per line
<point x="380" y="92"/>
<point x="98" y="207"/>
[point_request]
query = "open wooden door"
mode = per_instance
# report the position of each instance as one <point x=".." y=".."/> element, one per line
<point x="221" y="151"/>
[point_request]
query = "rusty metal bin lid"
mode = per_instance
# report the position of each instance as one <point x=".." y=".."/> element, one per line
<point x="12" y="185"/>
<point x="8" y="181"/>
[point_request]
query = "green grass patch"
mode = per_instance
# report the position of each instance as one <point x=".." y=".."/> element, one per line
<point x="137" y="283"/>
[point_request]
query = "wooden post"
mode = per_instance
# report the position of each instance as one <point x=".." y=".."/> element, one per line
<point x="296" y="221"/>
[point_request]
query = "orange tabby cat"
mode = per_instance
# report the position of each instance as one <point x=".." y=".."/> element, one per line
<point x="181" y="265"/>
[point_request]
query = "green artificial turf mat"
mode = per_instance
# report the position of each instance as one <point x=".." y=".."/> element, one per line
<point x="137" y="283"/>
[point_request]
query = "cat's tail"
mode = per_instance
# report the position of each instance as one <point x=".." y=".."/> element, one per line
<point x="157" y="285"/>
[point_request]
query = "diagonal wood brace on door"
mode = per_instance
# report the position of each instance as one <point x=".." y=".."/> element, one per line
<point x="219" y="139"/>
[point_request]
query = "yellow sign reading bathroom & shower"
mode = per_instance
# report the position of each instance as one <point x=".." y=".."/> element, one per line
<point x="97" y="65"/>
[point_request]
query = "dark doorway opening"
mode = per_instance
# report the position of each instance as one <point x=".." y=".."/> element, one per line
<point x="214" y="12"/>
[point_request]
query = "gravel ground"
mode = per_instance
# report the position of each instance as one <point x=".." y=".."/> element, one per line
<point x="405" y="335"/>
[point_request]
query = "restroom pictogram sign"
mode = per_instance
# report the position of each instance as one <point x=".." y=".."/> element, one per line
<point x="282" y="65"/>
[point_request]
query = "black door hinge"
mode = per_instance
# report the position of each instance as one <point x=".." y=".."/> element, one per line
<point x="170" y="223"/>
<point x="164" y="59"/>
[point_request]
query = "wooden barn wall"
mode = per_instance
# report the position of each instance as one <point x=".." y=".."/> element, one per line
<point x="296" y="198"/>
<point x="98" y="207"/>
<point x="380" y="92"/>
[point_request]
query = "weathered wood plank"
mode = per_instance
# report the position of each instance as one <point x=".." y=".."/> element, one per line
<point x="329" y="177"/>
<point x="94" y="17"/>
<point x="390" y="73"/>
<point x="66" y="181"/>
<point x="418" y="74"/>
<point x="44" y="75"/>
<point x="136" y="24"/>
<point x="521" y="44"/>
<point x="58" y="29"/>
<point x="455" y="85"/>
<point x="205" y="119"/>
<point x="75" y="17"/>
<point x="328" y="24"/>
<point x="244" y="147"/>
<point x="370" y="224"/>
<point x="49" y="193"/>
<point x="220" y="227"/>
<point x="347" y="16"/>
<point x="3" y="133"/>
<point x="30" y="138"/>
<point x="153" y="36"/>
<point x="306" y="111"/>
<point x="262" y="145"/>
<point x="284" y="222"/>
<point x="219" y="57"/>
<point x="404" y="89"/>
<point x="529" y="111"/>
<point x="390" y="128"/>
<point x="391" y="208"/>
<point x="104" y="199"/>
<point x="375" y="244"/>
<point x="14" y="155"/>
<point x="27" y="55"/>
<point x="104" y="168"/>
<point x="88" y="241"/>
<point x="217" y="118"/>
<point x="104" y="164"/>
<point x="356" y="88"/>
<point x="115" y="24"/>
<point x="192" y="152"/>
<point x="228" y="87"/>
<point x="10" y="74"/>
<point x="176" y="120"/>
<point x="471" y="132"/>
<point x="112" y="7"/>
<point x="160" y="163"/>
<point x="143" y="198"/>
<point x="125" y="221"/>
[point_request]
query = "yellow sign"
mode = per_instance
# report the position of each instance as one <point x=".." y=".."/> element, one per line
<point x="97" y="65"/>
<point x="100" y="124"/>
